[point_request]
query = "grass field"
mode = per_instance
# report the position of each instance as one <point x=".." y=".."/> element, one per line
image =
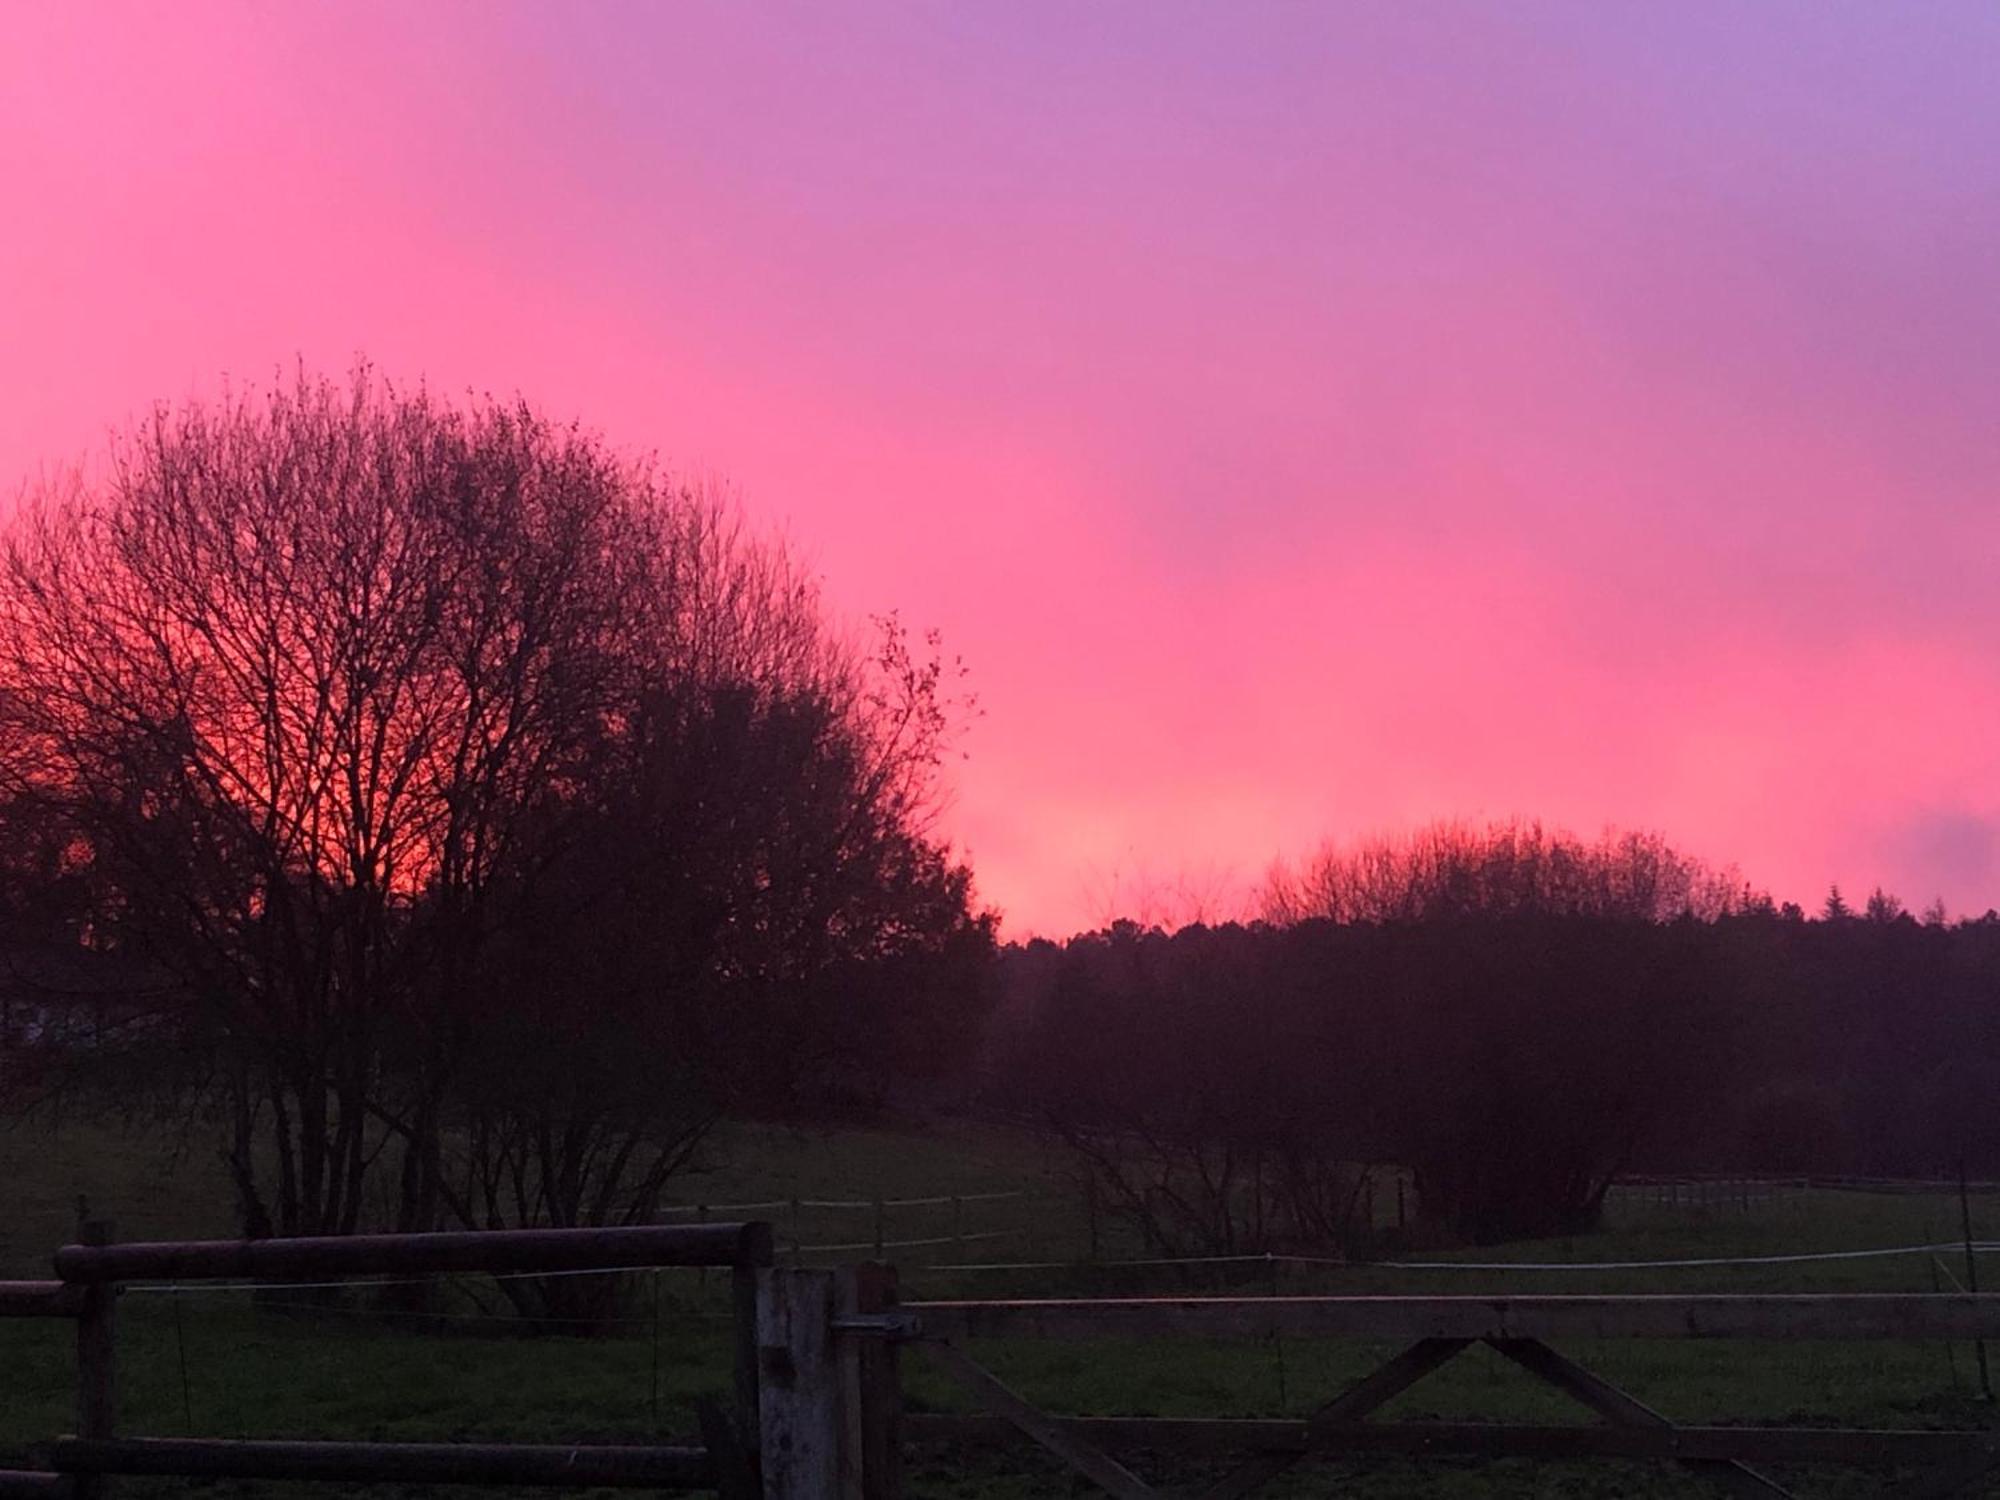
<point x="208" y="1363"/>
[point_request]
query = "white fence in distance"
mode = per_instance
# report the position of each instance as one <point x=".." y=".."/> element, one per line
<point x="879" y="1207"/>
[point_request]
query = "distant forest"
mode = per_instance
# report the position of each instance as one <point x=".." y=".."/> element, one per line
<point x="1512" y="1018"/>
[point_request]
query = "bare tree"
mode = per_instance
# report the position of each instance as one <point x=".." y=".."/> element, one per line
<point x="373" y="716"/>
<point x="294" y="663"/>
<point x="1502" y="869"/>
<point x="1194" y="895"/>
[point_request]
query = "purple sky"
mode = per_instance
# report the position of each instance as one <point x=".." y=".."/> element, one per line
<point x="1305" y="419"/>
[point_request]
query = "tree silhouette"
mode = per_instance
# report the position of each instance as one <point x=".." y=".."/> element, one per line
<point x="349" y="696"/>
<point x="1883" y="907"/>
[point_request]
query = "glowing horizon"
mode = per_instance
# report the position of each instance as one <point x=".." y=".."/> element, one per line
<point x="1303" y="422"/>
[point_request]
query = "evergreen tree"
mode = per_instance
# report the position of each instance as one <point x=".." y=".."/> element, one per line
<point x="1883" y="907"/>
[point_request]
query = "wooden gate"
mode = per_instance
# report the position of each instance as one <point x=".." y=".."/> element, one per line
<point x="865" y="1325"/>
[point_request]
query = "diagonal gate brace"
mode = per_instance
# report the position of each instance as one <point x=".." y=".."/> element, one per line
<point x="1079" y="1453"/>
<point x="1621" y="1410"/>
<point x="1374" y="1390"/>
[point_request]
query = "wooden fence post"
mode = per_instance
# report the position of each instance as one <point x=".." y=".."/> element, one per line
<point x="96" y="1362"/>
<point x="880" y="1389"/>
<point x="743" y="1302"/>
<point x="805" y="1408"/>
<point x="1972" y="1277"/>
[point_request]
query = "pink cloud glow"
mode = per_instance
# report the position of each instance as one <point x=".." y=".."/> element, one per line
<point x="1303" y="420"/>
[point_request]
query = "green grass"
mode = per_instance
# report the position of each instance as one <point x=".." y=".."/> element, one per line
<point x="342" y="1373"/>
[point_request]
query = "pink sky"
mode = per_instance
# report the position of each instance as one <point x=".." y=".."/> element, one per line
<point x="1305" y="420"/>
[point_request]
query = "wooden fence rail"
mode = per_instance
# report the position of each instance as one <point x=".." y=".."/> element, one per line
<point x="1773" y="1445"/>
<point x="1860" y="1315"/>
<point x="499" y="1252"/>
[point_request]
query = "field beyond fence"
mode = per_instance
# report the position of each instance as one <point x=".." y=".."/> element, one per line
<point x="210" y="1361"/>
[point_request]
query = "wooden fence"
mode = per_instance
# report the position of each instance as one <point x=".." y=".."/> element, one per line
<point x="89" y="1276"/>
<point x="1741" y="1194"/>
<point x="1723" y="1191"/>
<point x="818" y="1401"/>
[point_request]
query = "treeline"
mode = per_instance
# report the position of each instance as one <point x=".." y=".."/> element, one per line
<point x="1512" y="1018"/>
<point x="453" y="816"/>
<point x="456" y="820"/>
